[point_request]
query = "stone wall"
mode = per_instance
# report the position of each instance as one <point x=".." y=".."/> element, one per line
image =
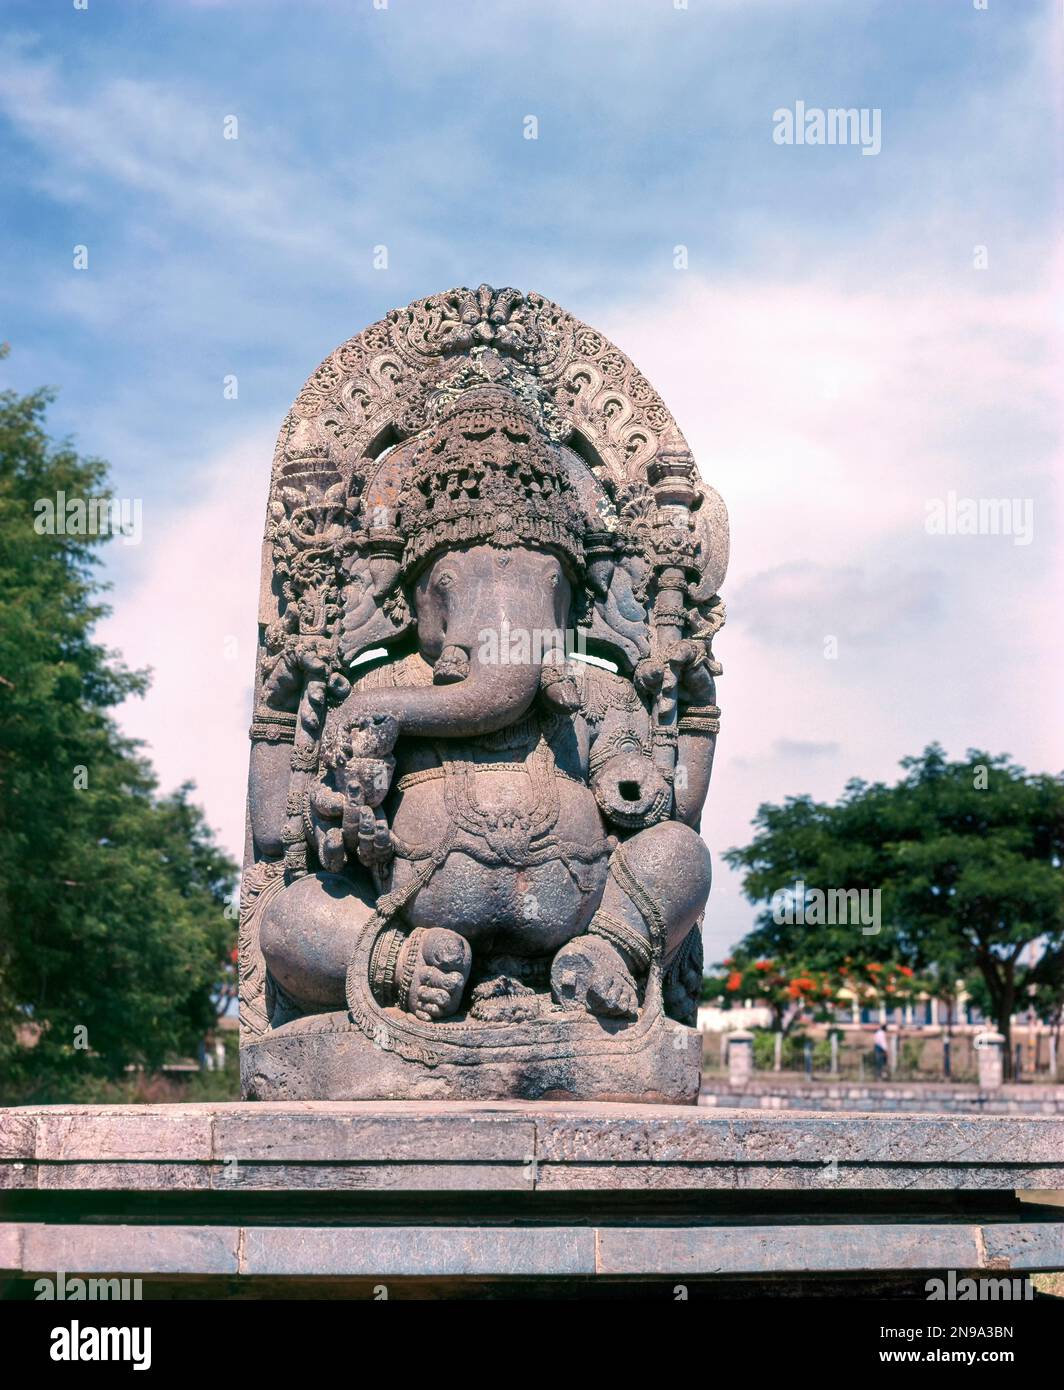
<point x="764" y="1093"/>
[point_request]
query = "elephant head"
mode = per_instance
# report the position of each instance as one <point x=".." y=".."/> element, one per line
<point x="491" y="622"/>
<point x="491" y="528"/>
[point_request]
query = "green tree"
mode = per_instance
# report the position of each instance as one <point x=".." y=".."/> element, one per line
<point x="967" y="857"/>
<point x="114" y="940"/>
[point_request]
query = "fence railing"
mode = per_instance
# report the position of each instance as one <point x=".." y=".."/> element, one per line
<point x="909" y="1056"/>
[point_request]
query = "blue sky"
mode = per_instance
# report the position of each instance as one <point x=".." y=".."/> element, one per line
<point x="832" y="352"/>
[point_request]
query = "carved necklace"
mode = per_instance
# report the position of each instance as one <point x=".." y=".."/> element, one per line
<point x="508" y="833"/>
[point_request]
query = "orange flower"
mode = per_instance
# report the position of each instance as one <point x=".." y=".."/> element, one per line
<point x="906" y="971"/>
<point x="762" y="965"/>
<point x="735" y="981"/>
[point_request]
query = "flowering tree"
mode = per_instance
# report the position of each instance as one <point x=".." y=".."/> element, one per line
<point x="798" y="993"/>
<point x="790" y="992"/>
<point x="966" y="858"/>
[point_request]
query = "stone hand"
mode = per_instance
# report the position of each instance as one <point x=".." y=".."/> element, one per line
<point x="373" y="840"/>
<point x="292" y="668"/>
<point x="685" y="667"/>
<point x="371" y="734"/>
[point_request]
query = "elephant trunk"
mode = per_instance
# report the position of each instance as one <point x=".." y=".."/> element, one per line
<point x="452" y="666"/>
<point x="491" y="696"/>
<point x="484" y="679"/>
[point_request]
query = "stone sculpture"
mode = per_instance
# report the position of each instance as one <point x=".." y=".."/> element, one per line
<point x="484" y="721"/>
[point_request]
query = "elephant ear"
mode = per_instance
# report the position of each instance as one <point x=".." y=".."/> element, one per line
<point x="375" y="611"/>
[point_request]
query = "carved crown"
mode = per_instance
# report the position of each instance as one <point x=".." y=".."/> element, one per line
<point x="488" y="474"/>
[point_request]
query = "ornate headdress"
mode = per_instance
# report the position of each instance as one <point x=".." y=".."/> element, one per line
<point x="481" y="417"/>
<point x="488" y="474"/>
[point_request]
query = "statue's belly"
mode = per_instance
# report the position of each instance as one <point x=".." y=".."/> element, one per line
<point x="490" y="889"/>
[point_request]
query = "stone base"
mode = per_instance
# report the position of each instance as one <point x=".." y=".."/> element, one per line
<point x="651" y="1061"/>
<point x="552" y="1200"/>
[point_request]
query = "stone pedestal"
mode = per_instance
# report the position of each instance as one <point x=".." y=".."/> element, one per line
<point x="740" y="1057"/>
<point x="269" y="1200"/>
<point x="652" y="1059"/>
<point x="990" y="1059"/>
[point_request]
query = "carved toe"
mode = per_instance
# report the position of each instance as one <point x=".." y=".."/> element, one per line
<point x="589" y="974"/>
<point x="437" y="974"/>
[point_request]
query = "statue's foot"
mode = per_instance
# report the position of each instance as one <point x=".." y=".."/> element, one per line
<point x="433" y="969"/>
<point x="589" y="973"/>
<point x="681" y="987"/>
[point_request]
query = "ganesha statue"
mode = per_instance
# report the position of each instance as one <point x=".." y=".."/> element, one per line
<point x="485" y="717"/>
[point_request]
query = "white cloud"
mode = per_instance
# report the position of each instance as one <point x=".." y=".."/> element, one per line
<point x="803" y="602"/>
<point x="190" y="614"/>
<point x="827" y="416"/>
<point x="157" y="140"/>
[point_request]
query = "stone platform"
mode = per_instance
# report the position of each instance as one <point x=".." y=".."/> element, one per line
<point x="268" y="1198"/>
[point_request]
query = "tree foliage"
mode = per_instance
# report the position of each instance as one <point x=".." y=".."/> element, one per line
<point x="113" y="933"/>
<point x="795" y="993"/>
<point x="967" y="856"/>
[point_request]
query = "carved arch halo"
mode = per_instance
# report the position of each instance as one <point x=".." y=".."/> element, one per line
<point x="378" y="389"/>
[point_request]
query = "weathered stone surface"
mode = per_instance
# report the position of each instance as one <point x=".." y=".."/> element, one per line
<point x="18" y="1175"/>
<point x="17" y="1134"/>
<point x="420" y="1250"/>
<point x="278" y="1065"/>
<point x="144" y="1176"/>
<point x="596" y="1136"/>
<point x="93" y="1249"/>
<point x="791" y="1250"/>
<point x="472" y="872"/>
<point x="542" y="1190"/>
<point x="98" y="1132"/>
<point x="515" y="1146"/>
<point x="477" y="1250"/>
<point x="399" y="1133"/>
<point x="802" y="1177"/>
<point x="1023" y="1245"/>
<point x="373" y="1177"/>
<point x="915" y="1098"/>
<point x="10" y="1245"/>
